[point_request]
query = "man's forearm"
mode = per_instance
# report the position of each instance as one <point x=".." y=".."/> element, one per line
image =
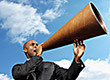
<point x="75" y="69"/>
<point x="22" y="70"/>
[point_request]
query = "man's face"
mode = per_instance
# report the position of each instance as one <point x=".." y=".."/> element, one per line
<point x="31" y="47"/>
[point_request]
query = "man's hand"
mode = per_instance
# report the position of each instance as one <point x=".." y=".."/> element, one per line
<point x="78" y="49"/>
<point x="39" y="49"/>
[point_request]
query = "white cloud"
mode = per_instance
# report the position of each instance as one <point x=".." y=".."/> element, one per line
<point x="55" y="12"/>
<point x="63" y="63"/>
<point x="59" y="3"/>
<point x="51" y="14"/>
<point x="94" y="69"/>
<point x="4" y="77"/>
<point x="20" y="21"/>
<point x="44" y="2"/>
<point x="23" y="1"/>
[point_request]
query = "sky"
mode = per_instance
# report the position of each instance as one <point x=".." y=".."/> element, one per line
<point x="23" y="20"/>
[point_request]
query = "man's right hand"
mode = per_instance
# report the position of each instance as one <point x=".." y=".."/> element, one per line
<point x="39" y="49"/>
<point x="79" y="48"/>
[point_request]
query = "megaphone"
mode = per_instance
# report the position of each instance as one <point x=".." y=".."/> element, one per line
<point x="86" y="24"/>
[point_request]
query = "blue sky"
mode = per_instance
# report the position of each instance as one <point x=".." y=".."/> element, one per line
<point x="22" y="20"/>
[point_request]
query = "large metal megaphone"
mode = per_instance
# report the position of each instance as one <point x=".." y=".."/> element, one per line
<point x="86" y="24"/>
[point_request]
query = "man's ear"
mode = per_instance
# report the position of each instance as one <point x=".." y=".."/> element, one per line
<point x="25" y="50"/>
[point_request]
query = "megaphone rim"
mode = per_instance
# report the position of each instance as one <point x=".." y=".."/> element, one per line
<point x="98" y="17"/>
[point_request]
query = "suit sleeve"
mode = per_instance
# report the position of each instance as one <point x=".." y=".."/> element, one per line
<point x="22" y="70"/>
<point x="71" y="73"/>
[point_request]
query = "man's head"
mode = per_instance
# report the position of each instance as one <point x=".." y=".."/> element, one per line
<point x="30" y="48"/>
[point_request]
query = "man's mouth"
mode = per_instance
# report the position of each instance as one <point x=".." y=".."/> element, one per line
<point x="34" y="50"/>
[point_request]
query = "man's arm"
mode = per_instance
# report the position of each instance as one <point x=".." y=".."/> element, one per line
<point x="74" y="70"/>
<point x="20" y="71"/>
<point x="69" y="74"/>
<point x="76" y="66"/>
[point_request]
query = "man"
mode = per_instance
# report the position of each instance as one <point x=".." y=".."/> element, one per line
<point x="36" y="69"/>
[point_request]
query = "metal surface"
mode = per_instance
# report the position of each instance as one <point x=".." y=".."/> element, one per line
<point x="86" y="24"/>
